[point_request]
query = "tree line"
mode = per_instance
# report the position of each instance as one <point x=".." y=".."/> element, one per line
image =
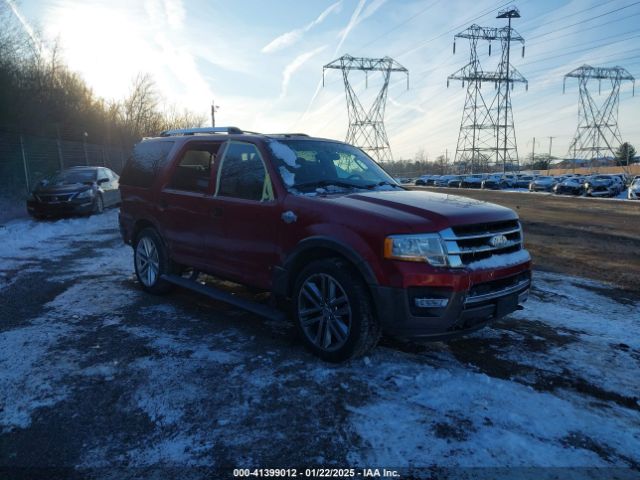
<point x="41" y="95"/>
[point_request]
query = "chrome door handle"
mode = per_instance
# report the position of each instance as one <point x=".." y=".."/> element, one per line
<point x="288" y="217"/>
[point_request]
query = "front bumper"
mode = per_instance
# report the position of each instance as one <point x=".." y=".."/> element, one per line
<point x="466" y="310"/>
<point x="600" y="192"/>
<point x="43" y="209"/>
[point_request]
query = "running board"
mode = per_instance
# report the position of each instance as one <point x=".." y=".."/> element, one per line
<point x="222" y="296"/>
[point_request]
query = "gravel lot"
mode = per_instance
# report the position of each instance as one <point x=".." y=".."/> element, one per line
<point x="100" y="379"/>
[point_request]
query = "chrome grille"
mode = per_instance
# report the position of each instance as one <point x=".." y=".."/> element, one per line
<point x="54" y="198"/>
<point x="470" y="243"/>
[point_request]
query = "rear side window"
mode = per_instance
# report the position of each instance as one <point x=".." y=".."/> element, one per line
<point x="147" y="160"/>
<point x="193" y="172"/>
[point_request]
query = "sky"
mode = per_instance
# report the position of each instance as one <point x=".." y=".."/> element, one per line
<point x="261" y="61"/>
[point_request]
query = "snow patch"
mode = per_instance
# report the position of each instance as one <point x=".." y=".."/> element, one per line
<point x="499" y="261"/>
<point x="284" y="153"/>
<point x="31" y="376"/>
<point x="289" y="178"/>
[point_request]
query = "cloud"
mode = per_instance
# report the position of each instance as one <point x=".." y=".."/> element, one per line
<point x="297" y="62"/>
<point x="356" y="17"/>
<point x="175" y="12"/>
<point x="289" y="38"/>
<point x="353" y="21"/>
<point x="169" y="12"/>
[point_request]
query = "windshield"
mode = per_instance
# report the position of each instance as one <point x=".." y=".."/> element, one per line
<point x="308" y="165"/>
<point x="70" y="177"/>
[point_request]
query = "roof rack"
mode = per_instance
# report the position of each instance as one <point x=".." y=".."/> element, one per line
<point x="201" y="131"/>
<point x="286" y="135"/>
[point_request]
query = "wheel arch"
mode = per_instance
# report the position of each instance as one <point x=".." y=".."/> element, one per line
<point x="139" y="226"/>
<point x="318" y="248"/>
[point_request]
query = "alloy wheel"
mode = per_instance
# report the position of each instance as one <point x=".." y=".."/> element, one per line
<point x="147" y="261"/>
<point x="324" y="312"/>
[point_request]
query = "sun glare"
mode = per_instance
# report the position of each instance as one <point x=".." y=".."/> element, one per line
<point x="107" y="46"/>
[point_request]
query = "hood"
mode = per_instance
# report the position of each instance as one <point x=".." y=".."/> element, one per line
<point x="600" y="181"/>
<point x="422" y="211"/>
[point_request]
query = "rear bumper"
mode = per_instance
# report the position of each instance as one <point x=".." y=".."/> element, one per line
<point x="60" y="208"/>
<point x="465" y="311"/>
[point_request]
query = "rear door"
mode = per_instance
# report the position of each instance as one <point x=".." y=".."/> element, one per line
<point x="182" y="206"/>
<point x="244" y="215"/>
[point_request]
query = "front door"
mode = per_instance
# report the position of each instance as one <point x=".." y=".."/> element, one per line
<point x="244" y="217"/>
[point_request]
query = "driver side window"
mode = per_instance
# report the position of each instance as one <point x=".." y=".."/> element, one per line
<point x="242" y="174"/>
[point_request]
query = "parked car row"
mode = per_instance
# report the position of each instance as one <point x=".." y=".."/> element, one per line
<point x="599" y="185"/>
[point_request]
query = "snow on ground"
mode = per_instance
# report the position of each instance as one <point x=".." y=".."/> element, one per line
<point x="146" y="381"/>
<point x="24" y="243"/>
<point x="467" y="418"/>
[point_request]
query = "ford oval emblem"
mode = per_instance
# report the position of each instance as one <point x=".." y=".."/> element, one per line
<point x="498" y="241"/>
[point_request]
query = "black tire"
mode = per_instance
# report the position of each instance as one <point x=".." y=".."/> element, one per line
<point x="155" y="285"/>
<point x="363" y="329"/>
<point x="98" y="205"/>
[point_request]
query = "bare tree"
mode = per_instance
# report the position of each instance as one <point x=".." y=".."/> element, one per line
<point x="140" y="108"/>
<point x="182" y="119"/>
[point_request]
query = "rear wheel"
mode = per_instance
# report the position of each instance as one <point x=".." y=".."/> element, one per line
<point x="333" y="311"/>
<point x="151" y="262"/>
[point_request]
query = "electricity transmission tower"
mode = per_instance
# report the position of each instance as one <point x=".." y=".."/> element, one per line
<point x="597" y="131"/>
<point x="487" y="133"/>
<point x="366" y="127"/>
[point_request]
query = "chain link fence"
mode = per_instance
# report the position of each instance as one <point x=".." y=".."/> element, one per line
<point x="27" y="159"/>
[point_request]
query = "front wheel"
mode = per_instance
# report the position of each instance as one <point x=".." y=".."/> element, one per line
<point x="333" y="312"/>
<point x="98" y="204"/>
<point x="151" y="262"/>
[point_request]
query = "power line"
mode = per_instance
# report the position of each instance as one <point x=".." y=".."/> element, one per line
<point x="585" y="21"/>
<point x="581" y="31"/>
<point x="401" y="24"/>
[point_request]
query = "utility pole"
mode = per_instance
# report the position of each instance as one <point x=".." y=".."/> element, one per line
<point x="549" y="158"/>
<point x="366" y="127"/>
<point x="214" y="109"/>
<point x="533" y="152"/>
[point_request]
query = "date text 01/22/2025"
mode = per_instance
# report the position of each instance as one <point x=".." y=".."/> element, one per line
<point x="316" y="472"/>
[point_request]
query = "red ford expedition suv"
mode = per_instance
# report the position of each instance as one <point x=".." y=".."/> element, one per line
<point x="326" y="230"/>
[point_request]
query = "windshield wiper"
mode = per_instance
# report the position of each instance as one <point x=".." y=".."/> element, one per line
<point x="326" y="183"/>
<point x="380" y="184"/>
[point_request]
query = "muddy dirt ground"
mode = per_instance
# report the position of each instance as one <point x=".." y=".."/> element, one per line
<point x="586" y="237"/>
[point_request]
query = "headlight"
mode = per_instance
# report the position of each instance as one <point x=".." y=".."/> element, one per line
<point x="416" y="248"/>
<point x="85" y="194"/>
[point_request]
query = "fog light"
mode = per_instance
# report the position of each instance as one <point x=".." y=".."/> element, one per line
<point x="431" y="302"/>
